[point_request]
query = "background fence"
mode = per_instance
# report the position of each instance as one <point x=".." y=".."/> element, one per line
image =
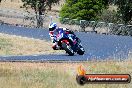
<point x="29" y="20"/>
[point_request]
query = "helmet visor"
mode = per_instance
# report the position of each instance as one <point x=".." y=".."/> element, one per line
<point x="52" y="29"/>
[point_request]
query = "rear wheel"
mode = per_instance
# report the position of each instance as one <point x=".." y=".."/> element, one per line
<point x="68" y="49"/>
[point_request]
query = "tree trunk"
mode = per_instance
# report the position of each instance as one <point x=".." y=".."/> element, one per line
<point x="49" y="5"/>
<point x="40" y="20"/>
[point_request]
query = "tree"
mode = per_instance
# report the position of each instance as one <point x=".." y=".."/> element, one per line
<point x="108" y="16"/>
<point x="39" y="6"/>
<point x="50" y="2"/>
<point x="112" y="2"/>
<point x="82" y="9"/>
<point x="125" y="10"/>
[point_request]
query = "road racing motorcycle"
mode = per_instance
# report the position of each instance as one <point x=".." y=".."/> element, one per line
<point x="70" y="43"/>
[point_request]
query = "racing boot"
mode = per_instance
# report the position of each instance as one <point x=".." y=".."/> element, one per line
<point x="56" y="47"/>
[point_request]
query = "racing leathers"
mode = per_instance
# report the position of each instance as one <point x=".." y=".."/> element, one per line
<point x="56" y="34"/>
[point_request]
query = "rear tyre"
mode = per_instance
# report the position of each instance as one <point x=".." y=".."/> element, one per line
<point x="68" y="49"/>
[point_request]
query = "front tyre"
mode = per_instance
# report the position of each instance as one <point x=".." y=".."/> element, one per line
<point x="80" y="50"/>
<point x="68" y="49"/>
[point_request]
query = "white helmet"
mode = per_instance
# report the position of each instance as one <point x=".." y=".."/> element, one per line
<point x="52" y="26"/>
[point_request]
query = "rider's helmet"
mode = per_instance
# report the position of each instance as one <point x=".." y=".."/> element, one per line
<point x="52" y="26"/>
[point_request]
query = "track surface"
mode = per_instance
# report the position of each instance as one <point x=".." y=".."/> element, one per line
<point x="96" y="46"/>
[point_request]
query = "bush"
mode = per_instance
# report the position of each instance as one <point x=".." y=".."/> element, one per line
<point x="110" y="16"/>
<point x="82" y="9"/>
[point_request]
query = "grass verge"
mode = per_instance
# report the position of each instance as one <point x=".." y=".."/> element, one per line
<point x="57" y="75"/>
<point x="14" y="45"/>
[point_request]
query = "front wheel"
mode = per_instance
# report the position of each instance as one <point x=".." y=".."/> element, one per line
<point x="80" y="50"/>
<point x="68" y="49"/>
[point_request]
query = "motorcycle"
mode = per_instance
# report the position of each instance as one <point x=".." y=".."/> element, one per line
<point x="70" y="43"/>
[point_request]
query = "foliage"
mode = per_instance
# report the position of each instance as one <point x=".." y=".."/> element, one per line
<point x="112" y="2"/>
<point x="39" y="6"/>
<point x="50" y="2"/>
<point x="125" y="10"/>
<point x="82" y="9"/>
<point x="109" y="16"/>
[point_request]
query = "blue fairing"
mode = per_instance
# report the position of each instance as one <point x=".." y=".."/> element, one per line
<point x="61" y="33"/>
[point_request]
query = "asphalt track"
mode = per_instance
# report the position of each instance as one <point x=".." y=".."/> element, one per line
<point x="97" y="46"/>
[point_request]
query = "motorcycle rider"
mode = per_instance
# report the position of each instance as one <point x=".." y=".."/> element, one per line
<point x="55" y="32"/>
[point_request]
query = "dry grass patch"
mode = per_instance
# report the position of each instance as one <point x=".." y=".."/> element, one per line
<point x="11" y="5"/>
<point x="14" y="45"/>
<point x="57" y="75"/>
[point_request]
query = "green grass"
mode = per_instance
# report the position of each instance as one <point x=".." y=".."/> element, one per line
<point x="57" y="75"/>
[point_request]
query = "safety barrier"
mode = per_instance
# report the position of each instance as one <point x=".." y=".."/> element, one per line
<point x="73" y="24"/>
